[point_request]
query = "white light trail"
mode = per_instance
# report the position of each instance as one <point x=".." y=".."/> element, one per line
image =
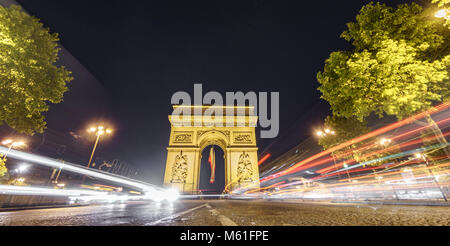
<point x="41" y="191"/>
<point x="77" y="169"/>
<point x="151" y="191"/>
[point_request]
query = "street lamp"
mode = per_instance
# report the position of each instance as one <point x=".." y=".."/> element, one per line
<point x="22" y="168"/>
<point x="324" y="132"/>
<point x="346" y="168"/>
<point x="319" y="133"/>
<point x="442" y="13"/>
<point x="11" y="144"/>
<point x="385" y="141"/>
<point x="99" y="131"/>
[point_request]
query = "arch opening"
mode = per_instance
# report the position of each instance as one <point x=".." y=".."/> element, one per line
<point x="205" y="185"/>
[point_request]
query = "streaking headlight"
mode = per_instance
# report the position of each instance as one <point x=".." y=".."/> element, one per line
<point x="154" y="195"/>
<point x="171" y="195"/>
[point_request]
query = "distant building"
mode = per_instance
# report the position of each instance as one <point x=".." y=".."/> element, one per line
<point x="86" y="100"/>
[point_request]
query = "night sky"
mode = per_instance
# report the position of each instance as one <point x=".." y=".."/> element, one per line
<point x="144" y="51"/>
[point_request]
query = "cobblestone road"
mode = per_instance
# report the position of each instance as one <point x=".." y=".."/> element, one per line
<point x="225" y="212"/>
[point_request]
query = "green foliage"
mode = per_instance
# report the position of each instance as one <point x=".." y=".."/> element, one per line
<point x="3" y="169"/>
<point x="441" y="2"/>
<point x="399" y="64"/>
<point x="29" y="78"/>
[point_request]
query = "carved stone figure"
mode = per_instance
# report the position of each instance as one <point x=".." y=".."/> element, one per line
<point x="179" y="169"/>
<point x="245" y="170"/>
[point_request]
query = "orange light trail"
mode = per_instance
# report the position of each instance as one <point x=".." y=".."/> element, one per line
<point x="369" y="135"/>
<point x="264" y="159"/>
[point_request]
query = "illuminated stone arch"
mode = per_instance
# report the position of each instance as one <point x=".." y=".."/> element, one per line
<point x="187" y="141"/>
<point x="213" y="137"/>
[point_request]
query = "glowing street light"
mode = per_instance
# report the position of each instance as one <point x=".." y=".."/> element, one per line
<point x="442" y="13"/>
<point x="22" y="168"/>
<point x="12" y="144"/>
<point x="324" y="132"/>
<point x="419" y="155"/>
<point x="99" y="131"/>
<point x="385" y="141"/>
<point x="7" y="141"/>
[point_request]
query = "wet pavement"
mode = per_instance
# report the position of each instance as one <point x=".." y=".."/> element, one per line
<point x="226" y="212"/>
<point x="264" y="213"/>
<point x="132" y="213"/>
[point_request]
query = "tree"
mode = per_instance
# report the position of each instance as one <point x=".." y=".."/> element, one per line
<point x="399" y="64"/>
<point x="29" y="78"/>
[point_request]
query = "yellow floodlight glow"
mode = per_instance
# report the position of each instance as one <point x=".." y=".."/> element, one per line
<point x="17" y="144"/>
<point x="418" y="155"/>
<point x="442" y="13"/>
<point x="7" y="141"/>
<point x="385" y="141"/>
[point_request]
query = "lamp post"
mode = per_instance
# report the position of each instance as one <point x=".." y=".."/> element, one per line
<point x="11" y="144"/>
<point x="323" y="133"/>
<point x="346" y="166"/>
<point x="99" y="131"/>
